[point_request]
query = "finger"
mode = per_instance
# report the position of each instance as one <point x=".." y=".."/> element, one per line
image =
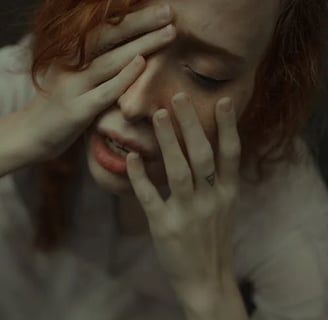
<point x="109" y="64"/>
<point x="90" y="104"/>
<point x="199" y="149"/>
<point x="106" y="37"/>
<point x="149" y="198"/>
<point x="229" y="144"/>
<point x="177" y="169"/>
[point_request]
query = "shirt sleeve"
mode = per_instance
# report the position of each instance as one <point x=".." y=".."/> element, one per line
<point x="290" y="283"/>
<point x="16" y="86"/>
<point x="34" y="286"/>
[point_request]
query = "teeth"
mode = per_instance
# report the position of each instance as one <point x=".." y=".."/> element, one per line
<point x="116" y="147"/>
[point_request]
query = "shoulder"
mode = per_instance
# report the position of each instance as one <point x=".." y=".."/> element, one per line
<point x="291" y="281"/>
<point x="17" y="57"/>
<point x="282" y="214"/>
<point x="34" y="284"/>
<point x="15" y="218"/>
<point x="294" y="194"/>
<point x="16" y="86"/>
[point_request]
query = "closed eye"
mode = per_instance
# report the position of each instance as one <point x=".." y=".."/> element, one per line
<point x="204" y="80"/>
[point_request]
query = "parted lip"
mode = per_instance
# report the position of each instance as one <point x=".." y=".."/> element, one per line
<point x="128" y="143"/>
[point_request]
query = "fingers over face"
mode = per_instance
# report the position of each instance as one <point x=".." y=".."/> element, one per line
<point x="105" y="37"/>
<point x="177" y="169"/>
<point x="229" y="145"/>
<point x="145" y="191"/>
<point x="110" y="63"/>
<point x="198" y="146"/>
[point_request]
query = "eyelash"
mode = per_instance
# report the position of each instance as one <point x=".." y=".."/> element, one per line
<point x="208" y="83"/>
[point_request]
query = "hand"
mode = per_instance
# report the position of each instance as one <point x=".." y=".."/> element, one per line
<point x="75" y="99"/>
<point x="192" y="229"/>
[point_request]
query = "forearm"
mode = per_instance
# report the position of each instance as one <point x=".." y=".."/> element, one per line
<point x="221" y="303"/>
<point x="16" y="146"/>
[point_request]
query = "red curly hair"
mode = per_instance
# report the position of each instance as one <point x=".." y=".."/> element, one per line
<point x="285" y="83"/>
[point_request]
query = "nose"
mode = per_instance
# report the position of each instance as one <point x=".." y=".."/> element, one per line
<point x="146" y="95"/>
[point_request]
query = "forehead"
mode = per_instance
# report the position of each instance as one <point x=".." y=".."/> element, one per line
<point x="243" y="26"/>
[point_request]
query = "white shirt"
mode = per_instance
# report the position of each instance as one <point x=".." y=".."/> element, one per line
<point x="280" y="242"/>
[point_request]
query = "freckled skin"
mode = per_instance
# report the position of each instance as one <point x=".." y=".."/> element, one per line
<point x="244" y="27"/>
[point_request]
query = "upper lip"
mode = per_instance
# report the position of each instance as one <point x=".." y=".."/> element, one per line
<point x="129" y="143"/>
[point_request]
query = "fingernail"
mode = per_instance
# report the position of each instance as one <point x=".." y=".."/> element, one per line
<point x="180" y="97"/>
<point x="137" y="60"/>
<point x="165" y="13"/>
<point x="162" y="114"/>
<point x="225" y="104"/>
<point x="133" y="156"/>
<point x="170" y="31"/>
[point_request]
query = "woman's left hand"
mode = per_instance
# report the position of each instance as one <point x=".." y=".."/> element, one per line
<point x="192" y="229"/>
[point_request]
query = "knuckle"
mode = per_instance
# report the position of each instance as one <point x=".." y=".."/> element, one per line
<point x="181" y="177"/>
<point x="161" y="232"/>
<point x="121" y="82"/>
<point x="204" y="157"/>
<point x="205" y="210"/>
<point x="169" y="227"/>
<point x="147" y="198"/>
<point x="231" y="149"/>
<point x="90" y="75"/>
<point x="109" y="62"/>
<point x="105" y="62"/>
<point x="70" y="111"/>
<point x="230" y="192"/>
<point x="124" y="32"/>
<point x="231" y="196"/>
<point x="104" y="95"/>
<point x="100" y="41"/>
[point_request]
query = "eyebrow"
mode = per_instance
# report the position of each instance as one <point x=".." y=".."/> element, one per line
<point x="223" y="53"/>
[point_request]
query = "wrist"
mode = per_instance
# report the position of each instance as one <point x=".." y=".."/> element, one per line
<point x="29" y="147"/>
<point x="218" y="283"/>
<point x="199" y="301"/>
<point x="17" y="147"/>
<point x="217" y="299"/>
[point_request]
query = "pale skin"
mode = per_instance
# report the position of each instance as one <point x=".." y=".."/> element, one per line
<point x="171" y="195"/>
<point x="145" y="97"/>
<point x="51" y="122"/>
<point x="191" y="224"/>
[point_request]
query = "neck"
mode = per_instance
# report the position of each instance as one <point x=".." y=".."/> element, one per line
<point x="132" y="220"/>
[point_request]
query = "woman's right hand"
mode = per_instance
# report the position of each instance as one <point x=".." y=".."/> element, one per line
<point x="57" y="119"/>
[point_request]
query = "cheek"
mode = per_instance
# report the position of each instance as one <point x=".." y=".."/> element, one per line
<point x="241" y="95"/>
<point x="242" y="99"/>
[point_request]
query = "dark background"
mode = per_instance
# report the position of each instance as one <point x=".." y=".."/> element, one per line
<point x="15" y="18"/>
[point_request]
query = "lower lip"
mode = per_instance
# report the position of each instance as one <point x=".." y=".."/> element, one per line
<point x="107" y="158"/>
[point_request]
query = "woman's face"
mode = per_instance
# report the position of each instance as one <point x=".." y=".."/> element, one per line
<point x="235" y="35"/>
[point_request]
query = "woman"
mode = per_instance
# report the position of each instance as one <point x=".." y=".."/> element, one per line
<point x="208" y="203"/>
